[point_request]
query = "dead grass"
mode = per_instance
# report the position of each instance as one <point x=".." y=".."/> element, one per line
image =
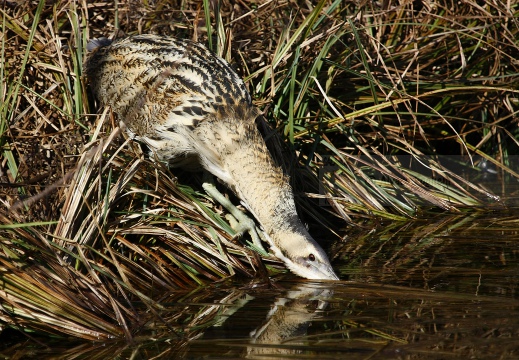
<point x="87" y="220"/>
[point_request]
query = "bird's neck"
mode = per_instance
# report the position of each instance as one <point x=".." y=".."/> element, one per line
<point x="265" y="190"/>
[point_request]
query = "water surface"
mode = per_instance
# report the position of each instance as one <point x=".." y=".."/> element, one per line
<point x="438" y="288"/>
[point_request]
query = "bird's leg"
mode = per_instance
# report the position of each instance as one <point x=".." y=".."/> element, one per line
<point x="240" y="222"/>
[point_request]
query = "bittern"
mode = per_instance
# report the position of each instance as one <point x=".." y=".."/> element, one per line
<point x="192" y="110"/>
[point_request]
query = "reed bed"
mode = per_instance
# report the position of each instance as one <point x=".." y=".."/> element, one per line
<point x="364" y="100"/>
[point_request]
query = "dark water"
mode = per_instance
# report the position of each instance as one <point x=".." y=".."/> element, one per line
<point x="446" y="287"/>
<point x="441" y="288"/>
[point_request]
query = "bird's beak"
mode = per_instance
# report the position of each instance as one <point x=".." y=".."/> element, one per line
<point x="324" y="272"/>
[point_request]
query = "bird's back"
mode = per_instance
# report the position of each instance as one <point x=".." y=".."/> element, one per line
<point x="161" y="86"/>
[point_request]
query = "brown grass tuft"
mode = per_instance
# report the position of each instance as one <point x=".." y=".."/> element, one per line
<point x="375" y="102"/>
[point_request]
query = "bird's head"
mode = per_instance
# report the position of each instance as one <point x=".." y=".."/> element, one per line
<point x="303" y="256"/>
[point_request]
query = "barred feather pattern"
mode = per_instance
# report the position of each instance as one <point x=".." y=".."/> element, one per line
<point x="192" y="110"/>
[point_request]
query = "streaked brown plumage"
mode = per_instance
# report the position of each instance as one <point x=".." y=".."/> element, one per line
<point x="193" y="111"/>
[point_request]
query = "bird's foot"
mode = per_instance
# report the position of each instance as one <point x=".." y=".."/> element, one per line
<point x="240" y="222"/>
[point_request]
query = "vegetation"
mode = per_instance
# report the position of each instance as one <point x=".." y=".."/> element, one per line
<point x="385" y="108"/>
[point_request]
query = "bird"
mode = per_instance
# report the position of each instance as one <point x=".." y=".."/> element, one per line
<point x="192" y="110"/>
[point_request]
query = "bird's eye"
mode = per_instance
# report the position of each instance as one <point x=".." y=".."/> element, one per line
<point x="311" y="257"/>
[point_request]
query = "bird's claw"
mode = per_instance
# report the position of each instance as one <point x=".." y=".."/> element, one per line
<point x="239" y="222"/>
<point x="243" y="225"/>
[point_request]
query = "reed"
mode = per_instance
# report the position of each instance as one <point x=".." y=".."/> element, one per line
<point x="364" y="99"/>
